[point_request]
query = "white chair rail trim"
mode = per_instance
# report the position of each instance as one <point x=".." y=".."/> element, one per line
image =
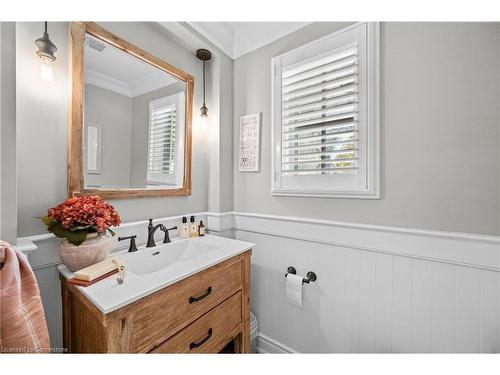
<point x="465" y="249"/>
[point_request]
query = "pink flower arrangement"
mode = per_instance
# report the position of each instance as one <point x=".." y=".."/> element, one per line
<point x="76" y="217"/>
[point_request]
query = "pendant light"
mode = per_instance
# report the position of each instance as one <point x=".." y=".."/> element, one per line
<point x="46" y="50"/>
<point x="204" y="55"/>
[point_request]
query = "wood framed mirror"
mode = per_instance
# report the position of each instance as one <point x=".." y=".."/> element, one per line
<point x="129" y="119"/>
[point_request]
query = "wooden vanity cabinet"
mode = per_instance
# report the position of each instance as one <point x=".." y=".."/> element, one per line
<point x="199" y="314"/>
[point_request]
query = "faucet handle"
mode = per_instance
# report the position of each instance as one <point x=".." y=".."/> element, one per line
<point x="166" y="239"/>
<point x="133" y="246"/>
<point x="150" y="222"/>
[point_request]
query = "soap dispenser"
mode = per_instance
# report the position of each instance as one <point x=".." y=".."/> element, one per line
<point x="193" y="230"/>
<point x="184" y="228"/>
<point x="201" y="229"/>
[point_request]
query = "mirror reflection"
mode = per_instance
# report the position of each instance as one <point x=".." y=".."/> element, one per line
<point x="134" y="121"/>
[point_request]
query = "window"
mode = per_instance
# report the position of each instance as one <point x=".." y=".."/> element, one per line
<point x="163" y="138"/>
<point x="325" y="116"/>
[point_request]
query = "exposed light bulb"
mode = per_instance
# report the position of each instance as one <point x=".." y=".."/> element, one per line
<point x="203" y="122"/>
<point x="46" y="72"/>
<point x="46" y="50"/>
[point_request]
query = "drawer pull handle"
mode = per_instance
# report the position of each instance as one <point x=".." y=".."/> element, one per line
<point x="200" y="343"/>
<point x="201" y="296"/>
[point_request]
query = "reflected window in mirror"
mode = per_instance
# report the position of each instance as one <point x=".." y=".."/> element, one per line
<point x="163" y="149"/>
<point x="93" y="148"/>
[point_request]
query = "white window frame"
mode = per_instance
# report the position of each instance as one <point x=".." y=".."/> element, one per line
<point x="98" y="148"/>
<point x="175" y="179"/>
<point x="368" y="185"/>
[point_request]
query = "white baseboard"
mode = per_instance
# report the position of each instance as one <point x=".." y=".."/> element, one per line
<point x="267" y="345"/>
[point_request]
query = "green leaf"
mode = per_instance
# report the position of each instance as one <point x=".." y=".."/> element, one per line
<point x="76" y="237"/>
<point x="58" y="229"/>
<point x="47" y="220"/>
<point x="112" y="233"/>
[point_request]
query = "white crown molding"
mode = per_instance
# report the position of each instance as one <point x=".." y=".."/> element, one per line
<point x="250" y="39"/>
<point x="101" y="80"/>
<point x="236" y="43"/>
<point x="227" y="26"/>
<point x="182" y="33"/>
<point x="219" y="34"/>
<point x="141" y="86"/>
<point x="148" y="83"/>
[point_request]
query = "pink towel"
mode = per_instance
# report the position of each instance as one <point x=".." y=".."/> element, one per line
<point x="23" y="328"/>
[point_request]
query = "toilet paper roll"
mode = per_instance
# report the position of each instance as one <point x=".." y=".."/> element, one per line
<point x="294" y="289"/>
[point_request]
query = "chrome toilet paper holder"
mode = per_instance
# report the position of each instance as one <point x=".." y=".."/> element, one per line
<point x="310" y="276"/>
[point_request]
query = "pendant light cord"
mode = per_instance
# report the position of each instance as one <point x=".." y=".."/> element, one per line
<point x="204" y="55"/>
<point x="204" y="63"/>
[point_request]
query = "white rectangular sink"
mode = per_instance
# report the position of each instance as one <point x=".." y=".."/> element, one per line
<point x="150" y="269"/>
<point x="158" y="258"/>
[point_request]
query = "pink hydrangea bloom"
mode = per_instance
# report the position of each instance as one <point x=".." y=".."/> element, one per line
<point x="84" y="211"/>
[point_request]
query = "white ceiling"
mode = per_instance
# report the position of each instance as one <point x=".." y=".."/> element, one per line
<point x="239" y="38"/>
<point x="120" y="72"/>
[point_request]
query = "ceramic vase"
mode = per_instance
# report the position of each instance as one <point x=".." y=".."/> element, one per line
<point x="93" y="250"/>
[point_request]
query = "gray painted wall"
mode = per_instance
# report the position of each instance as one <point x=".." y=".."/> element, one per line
<point x="439" y="129"/>
<point x="42" y="121"/>
<point x="220" y="124"/>
<point x="226" y="136"/>
<point x="42" y="126"/>
<point x="8" y="187"/>
<point x="113" y="112"/>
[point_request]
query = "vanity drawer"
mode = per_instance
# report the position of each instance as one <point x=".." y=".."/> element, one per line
<point x="209" y="333"/>
<point x="166" y="312"/>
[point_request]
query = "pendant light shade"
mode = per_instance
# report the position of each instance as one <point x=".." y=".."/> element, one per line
<point x="204" y="55"/>
<point x="204" y="110"/>
<point x="46" y="50"/>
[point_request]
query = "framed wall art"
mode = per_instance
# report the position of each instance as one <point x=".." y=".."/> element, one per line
<point x="249" y="143"/>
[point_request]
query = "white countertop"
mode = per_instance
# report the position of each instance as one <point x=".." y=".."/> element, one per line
<point x="107" y="295"/>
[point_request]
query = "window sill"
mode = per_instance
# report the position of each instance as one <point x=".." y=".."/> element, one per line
<point x="326" y="194"/>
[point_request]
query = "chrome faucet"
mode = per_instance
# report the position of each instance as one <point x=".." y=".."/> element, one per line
<point x="151" y="233"/>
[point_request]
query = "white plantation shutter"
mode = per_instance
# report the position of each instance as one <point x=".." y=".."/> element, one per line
<point x="324" y="123"/>
<point x="319" y="115"/>
<point x="162" y="143"/>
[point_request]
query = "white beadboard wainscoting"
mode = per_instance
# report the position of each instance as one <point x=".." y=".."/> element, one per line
<point x="379" y="289"/>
